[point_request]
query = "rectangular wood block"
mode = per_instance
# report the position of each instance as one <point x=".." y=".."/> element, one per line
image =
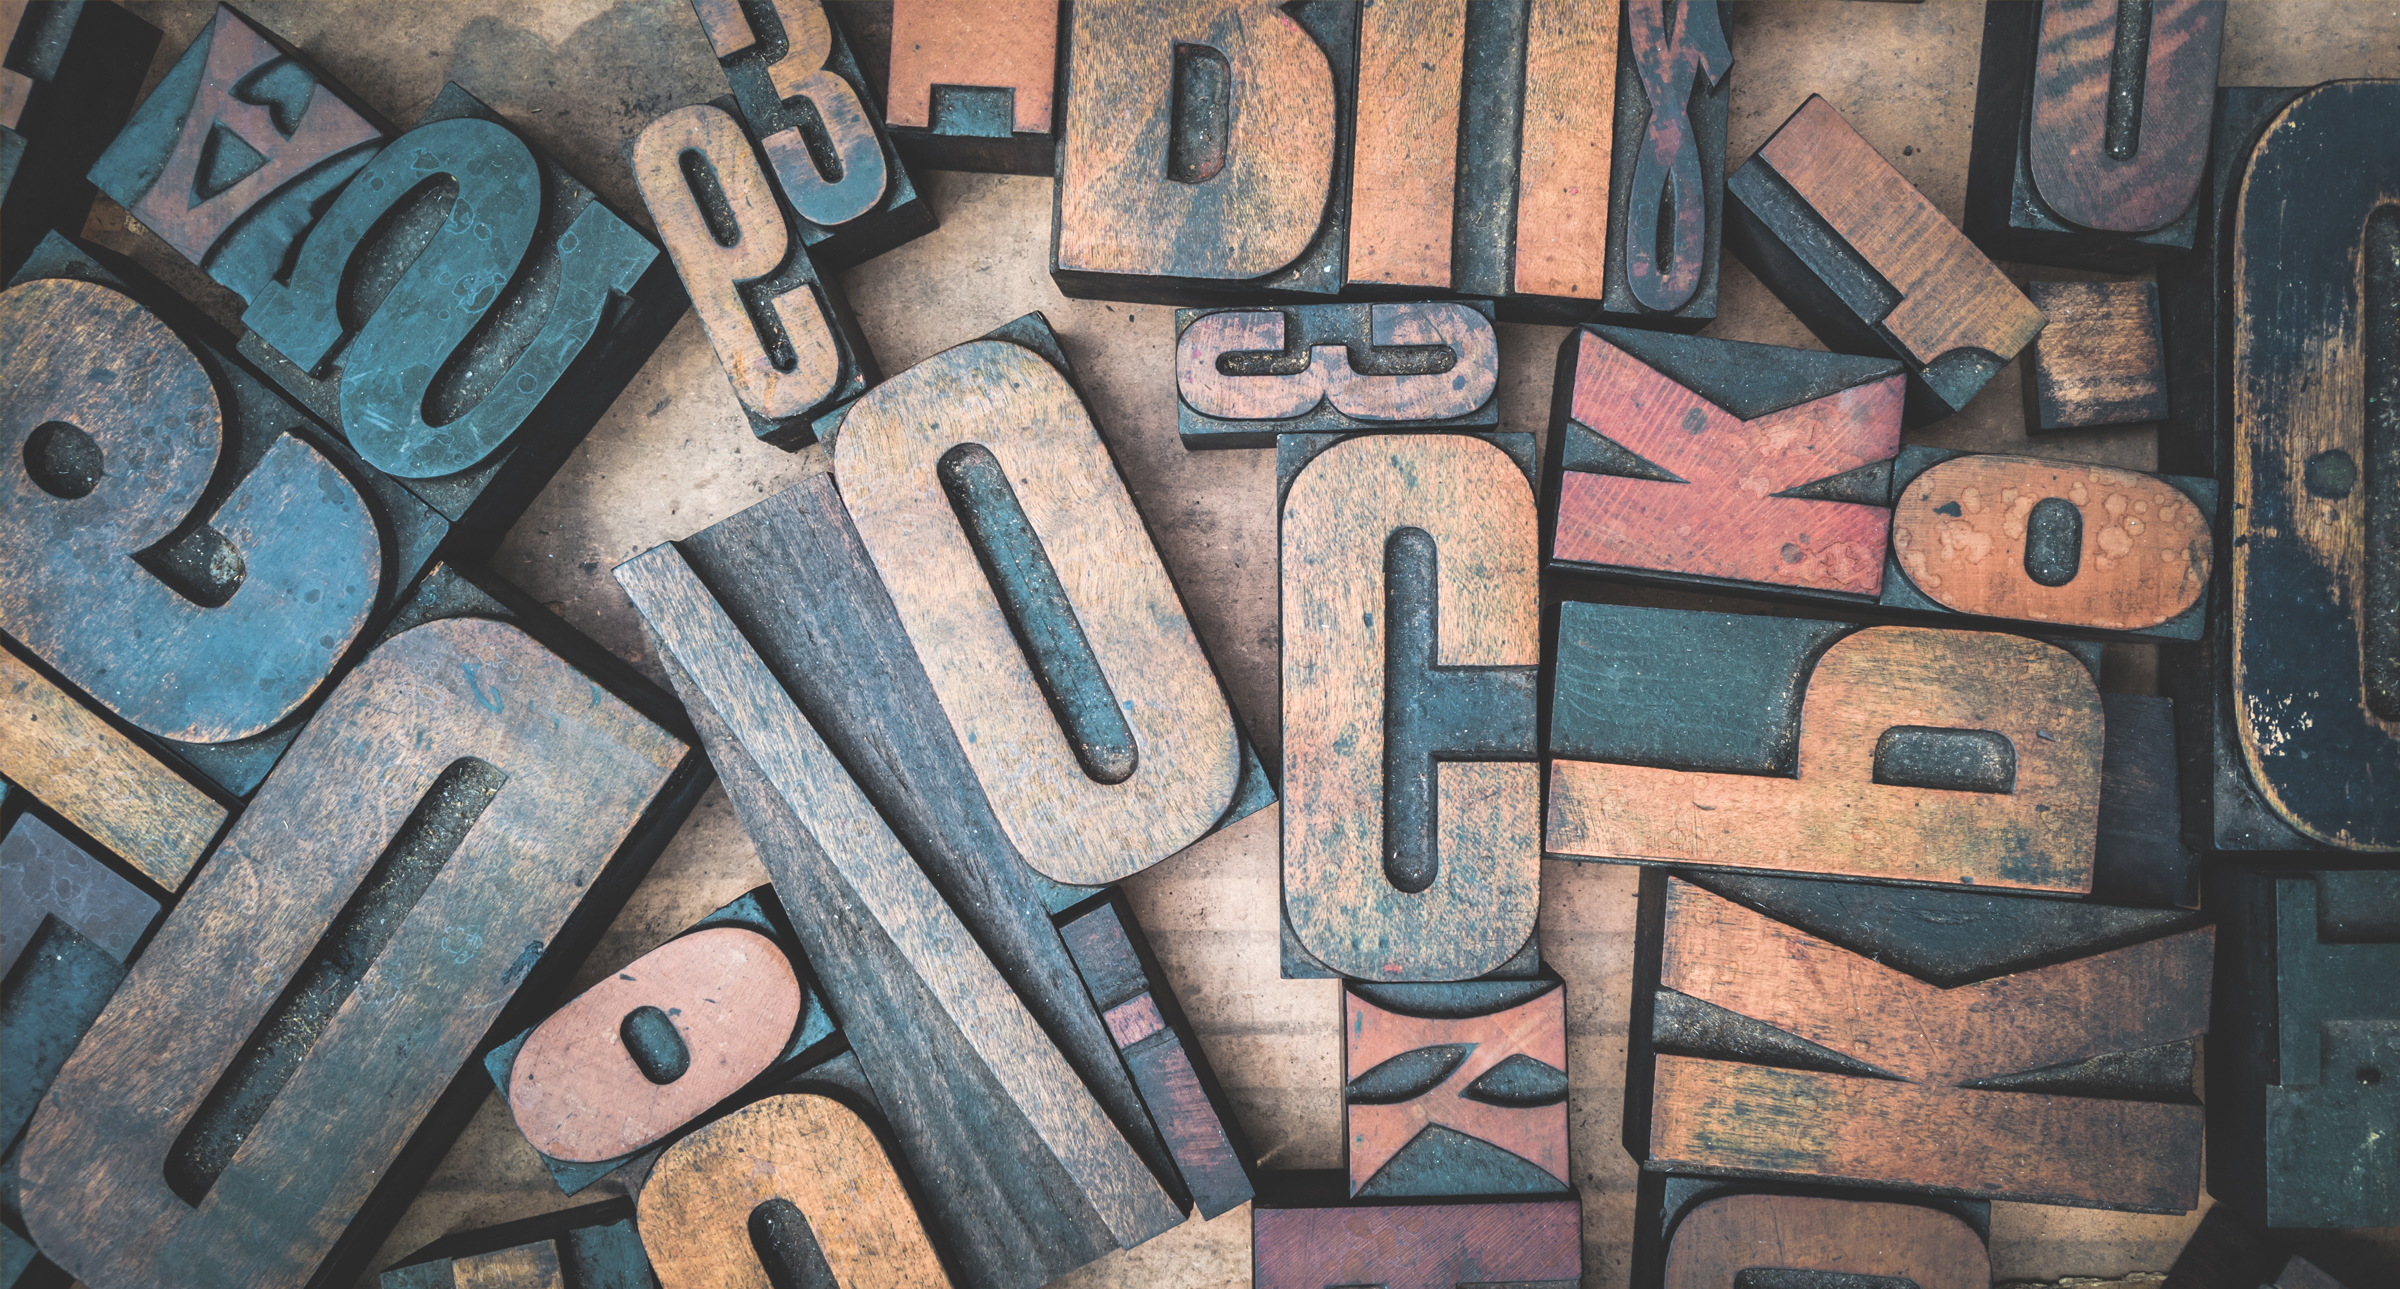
<point x="1667" y="195"/>
<point x="473" y="408"/>
<point x="590" y="1247"/>
<point x="1534" y="1244"/>
<point x="291" y="1055"/>
<point x="1166" y="1060"/>
<point x="2099" y="360"/>
<point x="1244" y="376"/>
<point x="1870" y="265"/>
<point x="782" y="330"/>
<point x="2091" y="130"/>
<point x="1455" y="1090"/>
<point x="288" y="550"/>
<point x="1710" y="1233"/>
<point x="1166" y="192"/>
<point x="782" y="53"/>
<point x="1713" y="463"/>
<point x="973" y="84"/>
<point x="1955" y="1042"/>
<point x="2089" y="549"/>
<point x="1411" y="849"/>
<point x="2302" y="1106"/>
<point x="69" y="78"/>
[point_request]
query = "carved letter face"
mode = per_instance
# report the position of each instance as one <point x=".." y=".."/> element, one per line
<point x="2120" y="118"/>
<point x="1433" y="365"/>
<point x="1461" y="1091"/>
<point x="1775" y="1051"/>
<point x="1673" y="42"/>
<point x="1721" y="1238"/>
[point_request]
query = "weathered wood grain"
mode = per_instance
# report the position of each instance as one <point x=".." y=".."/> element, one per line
<point x="1410" y="847"/>
<point x="587" y="1086"/>
<point x="99" y="780"/>
<point x="2068" y="1083"/>
<point x="2054" y="542"/>
<point x="1723" y="510"/>
<point x="1452" y="1101"/>
<point x="463" y="814"/>
<point x="973" y="84"/>
<point x="1163" y="1054"/>
<point x="1565" y="150"/>
<point x="2092" y="130"/>
<point x="2020" y="819"/>
<point x="123" y="436"/>
<point x="1198" y="152"/>
<point x="1720" y="1239"/>
<point x="1026" y="1177"/>
<point x="1233" y="391"/>
<point x="2314" y="606"/>
<point x="1404" y="169"/>
<point x="69" y="78"/>
<point x="1870" y="265"/>
<point x="2099" y="360"/>
<point x="2302" y="1105"/>
<point x="1535" y="1244"/>
<point x="591" y="1247"/>
<point x="1675" y="187"/>
<point x="811" y="1152"/>
<point x="1122" y="786"/>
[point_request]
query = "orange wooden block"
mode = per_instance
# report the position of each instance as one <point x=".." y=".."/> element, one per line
<point x="1417" y="1084"/>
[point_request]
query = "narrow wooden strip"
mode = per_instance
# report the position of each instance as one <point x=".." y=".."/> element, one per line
<point x="1404" y="170"/>
<point x="1130" y="1023"/>
<point x="1564" y="150"/>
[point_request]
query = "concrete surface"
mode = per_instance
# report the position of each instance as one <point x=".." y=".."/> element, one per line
<point x="674" y="455"/>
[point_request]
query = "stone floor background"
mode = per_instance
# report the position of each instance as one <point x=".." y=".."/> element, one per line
<point x="673" y="455"/>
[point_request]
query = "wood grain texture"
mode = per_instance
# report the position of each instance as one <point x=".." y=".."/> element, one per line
<point x="1721" y="1238"/>
<point x="1404" y="169"/>
<point x="1475" y="909"/>
<point x="809" y="1150"/>
<point x="1119" y="213"/>
<point x="2315" y="577"/>
<point x="2100" y="360"/>
<point x="1724" y="518"/>
<point x="784" y="366"/>
<point x="2039" y="1084"/>
<point x="1013" y="403"/>
<point x="15" y="86"/>
<point x="160" y="1121"/>
<point x="988" y="44"/>
<point x="1678" y="49"/>
<point x="1834" y="817"/>
<point x="99" y="779"/>
<point x="88" y="369"/>
<point x="1027" y="1179"/>
<point x="1524" y="1115"/>
<point x="309" y="140"/>
<point x="1565" y="149"/>
<point x="592" y="1246"/>
<point x="1980" y="534"/>
<point x="1417" y="1246"/>
<point x="532" y="1267"/>
<point x="2135" y="175"/>
<point x="578" y="1094"/>
<point x="844" y="125"/>
<point x="1232" y="394"/>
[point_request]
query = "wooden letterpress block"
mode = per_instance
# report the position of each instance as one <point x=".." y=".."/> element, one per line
<point x="799" y="1185"/>
<point x="288" y="202"/>
<point x="1205" y="154"/>
<point x="1486" y="134"/>
<point x="1948" y="1041"/>
<point x="1178" y="1087"/>
<point x="1710" y="462"/>
<point x="973" y="84"/>
<point x="1667" y="203"/>
<point x="2081" y="547"/>
<point x="290" y="1057"/>
<point x="782" y="331"/>
<point x="1870" y="265"/>
<point x="1026" y="1175"/>
<point x="1305" y="1236"/>
<point x="721" y="1007"/>
<point x="591" y="1247"/>
<point x="2091" y="130"/>
<point x="1244" y="376"/>
<point x="2303" y="1102"/>
<point x="71" y="73"/>
<point x="285" y="549"/>
<point x="1712" y="1233"/>
<point x="1455" y="1090"/>
<point x="2099" y="360"/>
<point x="1411" y="842"/>
<point x="846" y="187"/>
